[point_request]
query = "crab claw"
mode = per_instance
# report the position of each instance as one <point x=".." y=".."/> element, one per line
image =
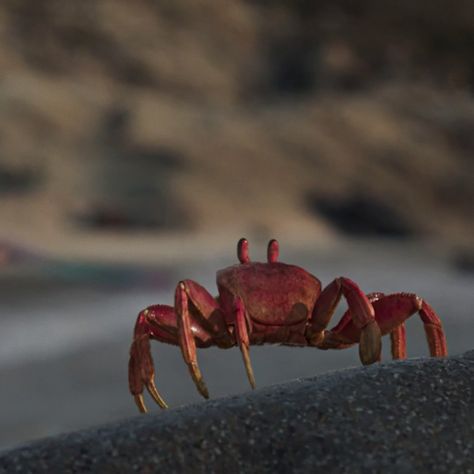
<point x="370" y="344"/>
<point x="141" y="373"/>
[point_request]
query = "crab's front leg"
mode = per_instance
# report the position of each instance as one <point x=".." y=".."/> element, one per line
<point x="195" y="321"/>
<point x="362" y="314"/>
<point x="195" y="305"/>
<point x="155" y="322"/>
<point x="186" y="338"/>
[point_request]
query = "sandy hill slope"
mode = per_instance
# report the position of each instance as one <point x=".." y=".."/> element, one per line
<point x="224" y="118"/>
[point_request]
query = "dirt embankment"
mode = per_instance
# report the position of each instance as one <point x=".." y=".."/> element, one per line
<point x="251" y="117"/>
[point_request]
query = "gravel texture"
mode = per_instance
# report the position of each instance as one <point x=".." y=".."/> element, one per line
<point x="402" y="417"/>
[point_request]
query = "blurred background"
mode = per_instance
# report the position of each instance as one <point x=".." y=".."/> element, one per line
<point x="140" y="140"/>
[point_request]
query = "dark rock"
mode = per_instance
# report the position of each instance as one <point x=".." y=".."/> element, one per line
<point x="463" y="261"/>
<point x="360" y="215"/>
<point x="19" y="180"/>
<point x="410" y="416"/>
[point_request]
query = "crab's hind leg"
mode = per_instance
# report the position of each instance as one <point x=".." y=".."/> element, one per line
<point x="361" y="315"/>
<point x="337" y="338"/>
<point x="398" y="342"/>
<point x="434" y="331"/>
<point x="391" y="312"/>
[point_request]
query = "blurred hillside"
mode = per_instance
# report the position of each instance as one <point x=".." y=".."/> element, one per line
<point x="302" y="120"/>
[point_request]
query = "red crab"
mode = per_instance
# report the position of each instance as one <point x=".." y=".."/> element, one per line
<point x="268" y="303"/>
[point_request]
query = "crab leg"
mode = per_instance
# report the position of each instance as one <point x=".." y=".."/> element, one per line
<point x="155" y="322"/>
<point x="144" y="376"/>
<point x="398" y="342"/>
<point x="242" y="336"/>
<point x="186" y="338"/>
<point x="200" y="322"/>
<point x="361" y="312"/>
<point x="158" y="322"/>
<point x="337" y="340"/>
<point x="434" y="331"/>
<point x="391" y="311"/>
<point x="178" y="326"/>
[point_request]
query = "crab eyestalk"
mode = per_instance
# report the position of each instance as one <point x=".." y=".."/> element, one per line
<point x="243" y="250"/>
<point x="273" y="251"/>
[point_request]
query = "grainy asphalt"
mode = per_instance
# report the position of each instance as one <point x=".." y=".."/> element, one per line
<point x="413" y="416"/>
